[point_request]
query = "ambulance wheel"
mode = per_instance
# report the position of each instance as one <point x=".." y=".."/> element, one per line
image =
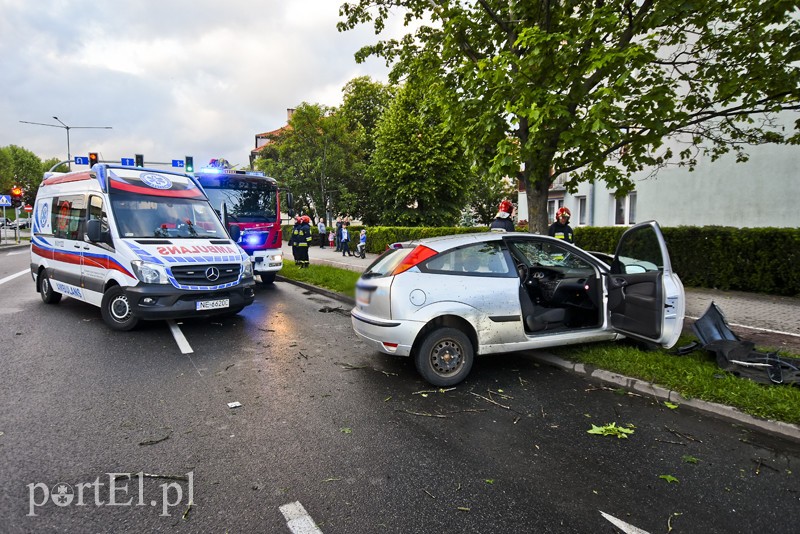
<point x="116" y="310"/>
<point x="267" y="278"/>
<point x="49" y="295"/>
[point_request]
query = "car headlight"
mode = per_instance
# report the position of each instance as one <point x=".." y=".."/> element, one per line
<point x="150" y="273"/>
<point x="247" y="268"/>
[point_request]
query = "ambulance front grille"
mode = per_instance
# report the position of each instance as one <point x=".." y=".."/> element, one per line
<point x="206" y="275"/>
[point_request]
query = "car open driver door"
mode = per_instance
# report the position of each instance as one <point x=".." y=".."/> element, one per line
<point x="646" y="300"/>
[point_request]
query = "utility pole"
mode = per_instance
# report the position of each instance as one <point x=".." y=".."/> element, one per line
<point x="68" y="128"/>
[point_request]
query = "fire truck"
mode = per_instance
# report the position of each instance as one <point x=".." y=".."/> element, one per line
<point x="250" y="200"/>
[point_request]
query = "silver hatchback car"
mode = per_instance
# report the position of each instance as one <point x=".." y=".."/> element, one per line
<point x="445" y="300"/>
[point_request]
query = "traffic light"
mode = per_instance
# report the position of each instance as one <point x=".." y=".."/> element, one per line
<point x="93" y="160"/>
<point x="139" y="160"/>
<point x="16" y="196"/>
<point x="189" y="164"/>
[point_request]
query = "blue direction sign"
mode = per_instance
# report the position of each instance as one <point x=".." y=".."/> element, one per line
<point x="177" y="163"/>
<point x="128" y="162"/>
<point x="5" y="200"/>
<point x="81" y="160"/>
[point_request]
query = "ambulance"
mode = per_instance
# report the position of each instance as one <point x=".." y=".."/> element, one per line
<point x="140" y="243"/>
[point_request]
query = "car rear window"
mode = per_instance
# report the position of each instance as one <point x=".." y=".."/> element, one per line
<point x="386" y="263"/>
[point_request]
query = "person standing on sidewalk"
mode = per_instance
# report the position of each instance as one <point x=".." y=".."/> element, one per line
<point x="345" y="239"/>
<point x="323" y="234"/>
<point x="338" y="234"/>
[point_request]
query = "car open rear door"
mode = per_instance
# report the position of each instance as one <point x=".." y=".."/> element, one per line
<point x="645" y="298"/>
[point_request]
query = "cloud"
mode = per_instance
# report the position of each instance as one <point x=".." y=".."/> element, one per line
<point x="172" y="78"/>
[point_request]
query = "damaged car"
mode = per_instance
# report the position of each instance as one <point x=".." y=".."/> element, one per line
<point x="445" y="300"/>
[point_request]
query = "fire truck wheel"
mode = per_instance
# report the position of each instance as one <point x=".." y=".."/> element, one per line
<point x="267" y="278"/>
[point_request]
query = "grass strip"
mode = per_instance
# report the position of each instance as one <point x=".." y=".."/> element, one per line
<point x="339" y="280"/>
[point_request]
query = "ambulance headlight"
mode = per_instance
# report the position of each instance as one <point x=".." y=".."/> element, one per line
<point x="149" y="273"/>
<point x="247" y="268"/>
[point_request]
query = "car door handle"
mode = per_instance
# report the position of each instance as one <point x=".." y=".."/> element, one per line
<point x="619" y="282"/>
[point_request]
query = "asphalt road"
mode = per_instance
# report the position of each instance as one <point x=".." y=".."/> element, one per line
<point x="357" y="438"/>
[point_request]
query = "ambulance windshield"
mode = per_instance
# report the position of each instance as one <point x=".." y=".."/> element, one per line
<point x="139" y="215"/>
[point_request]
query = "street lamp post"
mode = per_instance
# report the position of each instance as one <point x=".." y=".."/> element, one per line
<point x="68" y="128"/>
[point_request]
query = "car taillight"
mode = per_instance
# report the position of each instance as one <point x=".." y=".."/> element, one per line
<point x="415" y="257"/>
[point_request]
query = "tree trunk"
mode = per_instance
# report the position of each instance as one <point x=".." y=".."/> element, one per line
<point x="537" y="186"/>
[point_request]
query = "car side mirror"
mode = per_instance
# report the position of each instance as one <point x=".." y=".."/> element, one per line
<point x="94" y="231"/>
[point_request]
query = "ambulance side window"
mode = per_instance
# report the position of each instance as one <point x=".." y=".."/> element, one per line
<point x="67" y="216"/>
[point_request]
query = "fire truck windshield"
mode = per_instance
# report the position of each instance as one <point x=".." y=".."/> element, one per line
<point x="248" y="200"/>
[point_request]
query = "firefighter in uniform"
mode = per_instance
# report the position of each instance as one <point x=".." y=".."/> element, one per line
<point x="293" y="240"/>
<point x="561" y="228"/>
<point x="302" y="238"/>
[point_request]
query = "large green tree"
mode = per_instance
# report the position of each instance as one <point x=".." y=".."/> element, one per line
<point x="20" y="166"/>
<point x="364" y="103"/>
<point x="313" y="158"/>
<point x="591" y="89"/>
<point x="418" y="168"/>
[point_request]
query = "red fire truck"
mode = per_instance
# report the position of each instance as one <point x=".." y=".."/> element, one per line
<point x="250" y="200"/>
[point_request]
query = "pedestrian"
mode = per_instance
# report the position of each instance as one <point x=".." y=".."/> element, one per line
<point x="345" y="239"/>
<point x="503" y="220"/>
<point x="362" y="243"/>
<point x="561" y="229"/>
<point x="323" y="234"/>
<point x="338" y="234"/>
<point x="332" y="239"/>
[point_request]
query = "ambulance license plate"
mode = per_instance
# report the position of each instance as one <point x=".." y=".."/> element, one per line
<point x="213" y="304"/>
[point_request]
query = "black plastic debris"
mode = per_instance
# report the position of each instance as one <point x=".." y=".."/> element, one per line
<point x="739" y="356"/>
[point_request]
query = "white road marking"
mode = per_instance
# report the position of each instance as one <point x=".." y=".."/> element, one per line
<point x="12" y="276"/>
<point x="298" y="520"/>
<point x="180" y="339"/>
<point x="755" y="328"/>
<point x="622" y="525"/>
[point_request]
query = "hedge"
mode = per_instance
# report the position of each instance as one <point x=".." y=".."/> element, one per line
<point x="761" y="260"/>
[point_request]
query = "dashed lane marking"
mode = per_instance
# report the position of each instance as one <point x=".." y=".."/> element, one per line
<point x="298" y="520"/>
<point x="12" y="276"/>
<point x="627" y="528"/>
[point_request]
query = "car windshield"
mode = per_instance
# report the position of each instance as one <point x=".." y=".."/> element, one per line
<point x="546" y="254"/>
<point x="160" y="216"/>
<point x="386" y="263"/>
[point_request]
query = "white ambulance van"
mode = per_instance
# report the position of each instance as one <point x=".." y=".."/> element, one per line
<point x="142" y="244"/>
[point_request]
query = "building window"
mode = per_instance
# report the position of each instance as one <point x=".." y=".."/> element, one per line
<point x="552" y="207"/>
<point x="625" y="209"/>
<point x="582" y="212"/>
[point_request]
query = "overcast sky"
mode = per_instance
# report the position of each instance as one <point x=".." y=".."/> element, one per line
<point x="171" y="77"/>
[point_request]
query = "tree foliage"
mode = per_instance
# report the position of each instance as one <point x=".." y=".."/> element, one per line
<point x="19" y="166"/>
<point x="364" y="103"/>
<point x="592" y="89"/>
<point x="418" y="168"/>
<point x="313" y="158"/>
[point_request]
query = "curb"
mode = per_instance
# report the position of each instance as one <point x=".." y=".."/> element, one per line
<point x="322" y="291"/>
<point x="778" y="428"/>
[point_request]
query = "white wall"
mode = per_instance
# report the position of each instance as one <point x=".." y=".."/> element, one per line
<point x="764" y="191"/>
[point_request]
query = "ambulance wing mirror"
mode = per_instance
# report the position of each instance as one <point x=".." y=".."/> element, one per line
<point x="94" y="231"/>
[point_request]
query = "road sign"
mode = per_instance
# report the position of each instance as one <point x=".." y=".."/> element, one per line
<point x="81" y="160"/>
<point x="128" y="162"/>
<point x="5" y="200"/>
<point x="177" y="163"/>
<point x="28" y="208"/>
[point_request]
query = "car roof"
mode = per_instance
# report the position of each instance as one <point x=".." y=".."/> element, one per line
<point x="446" y="242"/>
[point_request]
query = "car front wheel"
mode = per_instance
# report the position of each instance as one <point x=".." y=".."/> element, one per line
<point x="116" y="310"/>
<point x="445" y="357"/>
